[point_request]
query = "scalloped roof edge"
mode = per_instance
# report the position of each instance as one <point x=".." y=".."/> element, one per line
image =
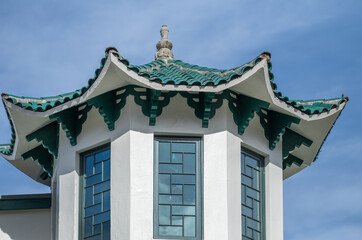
<point x="152" y="71"/>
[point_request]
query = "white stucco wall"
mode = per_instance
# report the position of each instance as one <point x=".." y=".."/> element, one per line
<point x="132" y="171"/>
<point x="25" y="225"/>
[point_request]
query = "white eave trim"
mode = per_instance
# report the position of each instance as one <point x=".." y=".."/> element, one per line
<point x="142" y="81"/>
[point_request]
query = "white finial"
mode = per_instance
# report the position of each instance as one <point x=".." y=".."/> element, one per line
<point x="164" y="46"/>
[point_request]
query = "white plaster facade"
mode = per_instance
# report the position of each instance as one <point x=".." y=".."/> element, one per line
<point x="25" y="224"/>
<point x="132" y="144"/>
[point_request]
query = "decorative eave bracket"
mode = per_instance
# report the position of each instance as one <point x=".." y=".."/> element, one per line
<point x="72" y="120"/>
<point x="291" y="140"/>
<point x="152" y="102"/>
<point x="275" y="124"/>
<point x="290" y="160"/>
<point x="45" y="159"/>
<point x="109" y="106"/>
<point x="48" y="136"/>
<point x="243" y="109"/>
<point x="204" y="105"/>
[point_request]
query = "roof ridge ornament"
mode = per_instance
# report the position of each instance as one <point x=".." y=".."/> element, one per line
<point x="164" y="46"/>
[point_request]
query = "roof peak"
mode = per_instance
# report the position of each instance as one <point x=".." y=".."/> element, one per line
<point x="164" y="46"/>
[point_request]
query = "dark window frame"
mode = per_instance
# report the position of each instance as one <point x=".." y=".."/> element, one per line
<point x="262" y="164"/>
<point x="82" y="165"/>
<point x="199" y="186"/>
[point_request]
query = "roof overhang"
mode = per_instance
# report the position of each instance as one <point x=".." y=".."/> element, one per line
<point x="255" y="83"/>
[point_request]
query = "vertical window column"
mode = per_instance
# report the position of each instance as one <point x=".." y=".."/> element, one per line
<point x="95" y="197"/>
<point x="177" y="211"/>
<point x="252" y="196"/>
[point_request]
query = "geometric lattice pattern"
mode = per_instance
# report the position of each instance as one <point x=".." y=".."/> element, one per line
<point x="177" y="189"/>
<point x="96" y="195"/>
<point x="251" y="197"/>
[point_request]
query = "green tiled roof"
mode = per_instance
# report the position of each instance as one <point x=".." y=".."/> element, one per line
<point x="177" y="72"/>
<point x="313" y="106"/>
<point x="45" y="103"/>
<point x="5" y="149"/>
<point x="173" y="72"/>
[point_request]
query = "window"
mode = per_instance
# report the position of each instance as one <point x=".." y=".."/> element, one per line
<point x="177" y="190"/>
<point x="95" y="194"/>
<point x="252" y="195"/>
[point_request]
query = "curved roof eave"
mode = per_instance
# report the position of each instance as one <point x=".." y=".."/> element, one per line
<point x="278" y="102"/>
<point x="88" y="92"/>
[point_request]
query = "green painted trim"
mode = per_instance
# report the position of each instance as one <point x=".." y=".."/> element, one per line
<point x="290" y="160"/>
<point x="45" y="159"/>
<point x="151" y="101"/>
<point x="48" y="136"/>
<point x="38" y="104"/>
<point x="44" y="176"/>
<point x="108" y="107"/>
<point x="153" y="97"/>
<point x="71" y="120"/>
<point x="177" y="72"/>
<point x="291" y="140"/>
<point x="274" y="124"/>
<point x="25" y="203"/>
<point x="9" y="150"/>
<point x="243" y="109"/>
<point x="204" y="105"/>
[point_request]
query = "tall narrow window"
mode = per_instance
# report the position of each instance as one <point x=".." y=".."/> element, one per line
<point x="177" y="196"/>
<point x="95" y="194"/>
<point x="252" y="196"/>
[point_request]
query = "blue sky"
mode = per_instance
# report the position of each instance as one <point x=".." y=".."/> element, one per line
<point x="52" y="47"/>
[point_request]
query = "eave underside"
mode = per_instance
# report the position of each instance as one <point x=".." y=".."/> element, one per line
<point x="115" y="75"/>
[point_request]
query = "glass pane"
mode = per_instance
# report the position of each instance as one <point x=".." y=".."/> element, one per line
<point x="98" y="198"/>
<point x="170" y="199"/>
<point x="93" y="210"/>
<point x="98" y="167"/>
<point x="189" y="163"/>
<point x="251" y="162"/>
<point x="102" y="217"/>
<point x="184" y="147"/>
<point x="88" y="196"/>
<point x="88" y="226"/>
<point x="183" y="179"/>
<point x="93" y="179"/>
<point x="189" y="194"/>
<point x="183" y="210"/>
<point x="102" y="187"/>
<point x="89" y="166"/>
<point x="106" y="230"/>
<point x="170" y="231"/>
<point x="189" y="226"/>
<point x="102" y="156"/>
<point x="177" y="157"/>
<point x="106" y="170"/>
<point x="164" y="150"/>
<point x="177" y="220"/>
<point x="164" y="215"/>
<point x="97" y="228"/>
<point x="164" y="183"/>
<point x="170" y="168"/>
<point x="177" y="189"/>
<point x="106" y="200"/>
